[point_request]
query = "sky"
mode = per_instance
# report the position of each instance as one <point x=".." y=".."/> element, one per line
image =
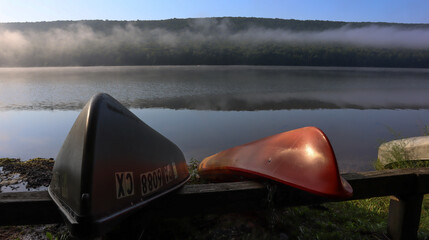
<point x="399" y="11"/>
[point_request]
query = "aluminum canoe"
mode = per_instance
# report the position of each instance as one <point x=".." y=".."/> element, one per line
<point x="411" y="151"/>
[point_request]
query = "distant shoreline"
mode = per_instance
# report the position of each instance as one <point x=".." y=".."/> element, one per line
<point x="320" y="67"/>
<point x="202" y="66"/>
<point x="215" y="41"/>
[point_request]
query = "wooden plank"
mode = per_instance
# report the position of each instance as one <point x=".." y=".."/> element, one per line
<point x="385" y="183"/>
<point x="22" y="208"/>
<point x="37" y="207"/>
<point x="210" y="198"/>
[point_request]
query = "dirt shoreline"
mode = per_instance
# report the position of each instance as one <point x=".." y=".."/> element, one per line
<point x="30" y="175"/>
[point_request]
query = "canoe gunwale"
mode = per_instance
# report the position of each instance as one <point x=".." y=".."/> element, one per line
<point x="88" y="149"/>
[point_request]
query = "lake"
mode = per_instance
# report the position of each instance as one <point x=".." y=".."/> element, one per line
<point x="206" y="109"/>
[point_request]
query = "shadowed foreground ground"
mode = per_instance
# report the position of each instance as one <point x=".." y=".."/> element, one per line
<point x="361" y="219"/>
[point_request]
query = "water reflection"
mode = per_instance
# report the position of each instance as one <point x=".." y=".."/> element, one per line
<point x="216" y="88"/>
<point x="208" y="109"/>
<point x="354" y="134"/>
<point x="30" y="134"/>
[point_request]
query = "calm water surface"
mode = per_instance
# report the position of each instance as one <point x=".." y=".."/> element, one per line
<point x="207" y="109"/>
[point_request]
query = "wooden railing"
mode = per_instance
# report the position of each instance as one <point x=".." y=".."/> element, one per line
<point x="405" y="186"/>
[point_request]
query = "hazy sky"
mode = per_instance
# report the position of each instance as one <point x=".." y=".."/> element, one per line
<point x="405" y="11"/>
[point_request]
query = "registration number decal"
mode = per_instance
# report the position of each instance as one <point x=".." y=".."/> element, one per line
<point x="154" y="180"/>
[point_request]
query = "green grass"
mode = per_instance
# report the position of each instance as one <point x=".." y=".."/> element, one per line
<point x="357" y="219"/>
<point x="363" y="219"/>
<point x="193" y="172"/>
<point x="59" y="236"/>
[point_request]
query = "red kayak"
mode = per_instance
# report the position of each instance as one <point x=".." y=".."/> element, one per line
<point x="301" y="158"/>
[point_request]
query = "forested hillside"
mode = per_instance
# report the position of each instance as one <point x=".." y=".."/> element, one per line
<point x="220" y="41"/>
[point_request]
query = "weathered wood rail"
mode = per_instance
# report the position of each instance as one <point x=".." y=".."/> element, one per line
<point x="405" y="186"/>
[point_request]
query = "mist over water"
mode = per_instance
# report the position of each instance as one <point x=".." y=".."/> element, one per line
<point x="371" y="36"/>
<point x="23" y="47"/>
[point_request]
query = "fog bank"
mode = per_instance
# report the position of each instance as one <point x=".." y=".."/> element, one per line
<point x="66" y="45"/>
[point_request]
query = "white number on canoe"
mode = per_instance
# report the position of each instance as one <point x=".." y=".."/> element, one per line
<point x="154" y="180"/>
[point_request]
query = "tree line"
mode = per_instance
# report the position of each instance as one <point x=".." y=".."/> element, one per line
<point x="215" y="51"/>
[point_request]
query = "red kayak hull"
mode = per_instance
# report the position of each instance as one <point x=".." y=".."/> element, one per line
<point x="301" y="158"/>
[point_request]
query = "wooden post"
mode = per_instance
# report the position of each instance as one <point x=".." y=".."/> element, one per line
<point x="404" y="216"/>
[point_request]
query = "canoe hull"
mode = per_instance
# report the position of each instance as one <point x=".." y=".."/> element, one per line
<point x="302" y="158"/>
<point x="414" y="149"/>
<point x="110" y="165"/>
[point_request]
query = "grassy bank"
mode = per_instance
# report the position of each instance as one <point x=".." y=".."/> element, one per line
<point x="359" y="219"/>
<point x="364" y="219"/>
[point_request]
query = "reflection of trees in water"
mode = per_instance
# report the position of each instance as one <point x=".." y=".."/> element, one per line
<point x="226" y="88"/>
<point x="222" y="103"/>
